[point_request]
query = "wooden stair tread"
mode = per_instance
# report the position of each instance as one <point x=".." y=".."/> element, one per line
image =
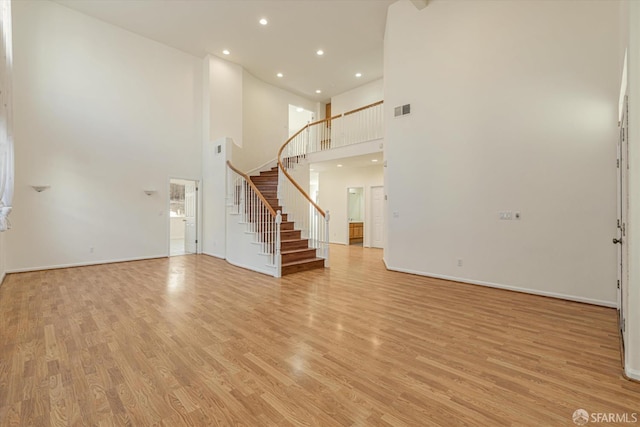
<point x="296" y="254"/>
<point x="295" y="251"/>
<point x="302" y="261"/>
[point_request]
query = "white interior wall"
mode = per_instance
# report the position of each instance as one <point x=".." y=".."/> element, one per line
<point x="299" y="119"/>
<point x="225" y="100"/>
<point x="332" y="192"/>
<point x="266" y="121"/>
<point x="100" y="115"/>
<point x="214" y="195"/>
<point x="358" y="97"/>
<point x="223" y="125"/>
<point x="514" y="108"/>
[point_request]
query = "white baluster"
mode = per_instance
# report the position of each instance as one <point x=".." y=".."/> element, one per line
<point x="278" y="256"/>
<point x="326" y="239"/>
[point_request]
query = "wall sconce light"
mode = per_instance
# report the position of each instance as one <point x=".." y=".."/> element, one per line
<point x="149" y="192"/>
<point x="40" y="188"/>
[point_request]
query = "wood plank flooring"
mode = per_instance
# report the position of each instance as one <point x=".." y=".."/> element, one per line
<point x="192" y="340"/>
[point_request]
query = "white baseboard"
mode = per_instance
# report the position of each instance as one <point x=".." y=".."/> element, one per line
<point x="632" y="373"/>
<point x="611" y="304"/>
<point x="213" y="255"/>
<point x="257" y="270"/>
<point x="237" y="264"/>
<point x="84" y="264"/>
<point x="2" y="276"/>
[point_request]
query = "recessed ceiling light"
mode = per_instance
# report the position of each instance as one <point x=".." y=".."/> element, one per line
<point x="263" y="21"/>
<point x="318" y="91"/>
<point x="339" y="166"/>
<point x="320" y="52"/>
<point x="280" y="75"/>
<point x="374" y="160"/>
<point x="226" y="52"/>
<point x="358" y="75"/>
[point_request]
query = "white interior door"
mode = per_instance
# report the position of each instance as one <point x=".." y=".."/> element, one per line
<point x="377" y="217"/>
<point x="190" y="208"/>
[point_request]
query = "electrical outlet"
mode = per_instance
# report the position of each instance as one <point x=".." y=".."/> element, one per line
<point x="459" y="262"/>
<point x="91" y="250"/>
<point x="505" y="215"/>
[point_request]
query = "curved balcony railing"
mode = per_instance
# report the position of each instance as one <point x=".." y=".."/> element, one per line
<point x="359" y="125"/>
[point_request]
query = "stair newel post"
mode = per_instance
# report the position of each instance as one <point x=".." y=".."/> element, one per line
<point x="277" y="240"/>
<point x="326" y="239"/>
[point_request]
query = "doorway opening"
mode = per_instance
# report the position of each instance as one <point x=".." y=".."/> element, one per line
<point x="377" y="217"/>
<point x="183" y="208"/>
<point x="355" y="214"/>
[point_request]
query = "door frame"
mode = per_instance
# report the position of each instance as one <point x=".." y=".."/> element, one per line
<point x="622" y="179"/>
<point x="198" y="182"/>
<point x="371" y="221"/>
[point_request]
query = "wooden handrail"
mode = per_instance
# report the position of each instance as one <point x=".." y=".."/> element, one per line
<point x="375" y="104"/>
<point x="281" y="166"/>
<point x="337" y="116"/>
<point x="253" y="186"/>
<point x="293" y="181"/>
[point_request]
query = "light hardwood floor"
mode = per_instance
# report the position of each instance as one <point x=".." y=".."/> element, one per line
<point x="192" y="340"/>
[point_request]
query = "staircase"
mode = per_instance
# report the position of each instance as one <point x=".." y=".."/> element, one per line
<point x="295" y="251"/>
<point x="298" y="238"/>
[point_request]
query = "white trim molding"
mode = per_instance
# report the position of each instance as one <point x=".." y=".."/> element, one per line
<point x="213" y="255"/>
<point x="611" y="304"/>
<point x="633" y="374"/>
<point x="84" y="264"/>
<point x="256" y="269"/>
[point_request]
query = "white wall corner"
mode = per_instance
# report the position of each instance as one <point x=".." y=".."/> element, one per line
<point x="420" y="4"/>
<point x="632" y="373"/>
<point x="226" y="100"/>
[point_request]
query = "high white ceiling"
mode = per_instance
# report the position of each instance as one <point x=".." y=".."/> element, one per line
<point x="350" y="32"/>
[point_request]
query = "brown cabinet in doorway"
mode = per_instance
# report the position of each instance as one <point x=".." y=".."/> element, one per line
<point x="355" y="232"/>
